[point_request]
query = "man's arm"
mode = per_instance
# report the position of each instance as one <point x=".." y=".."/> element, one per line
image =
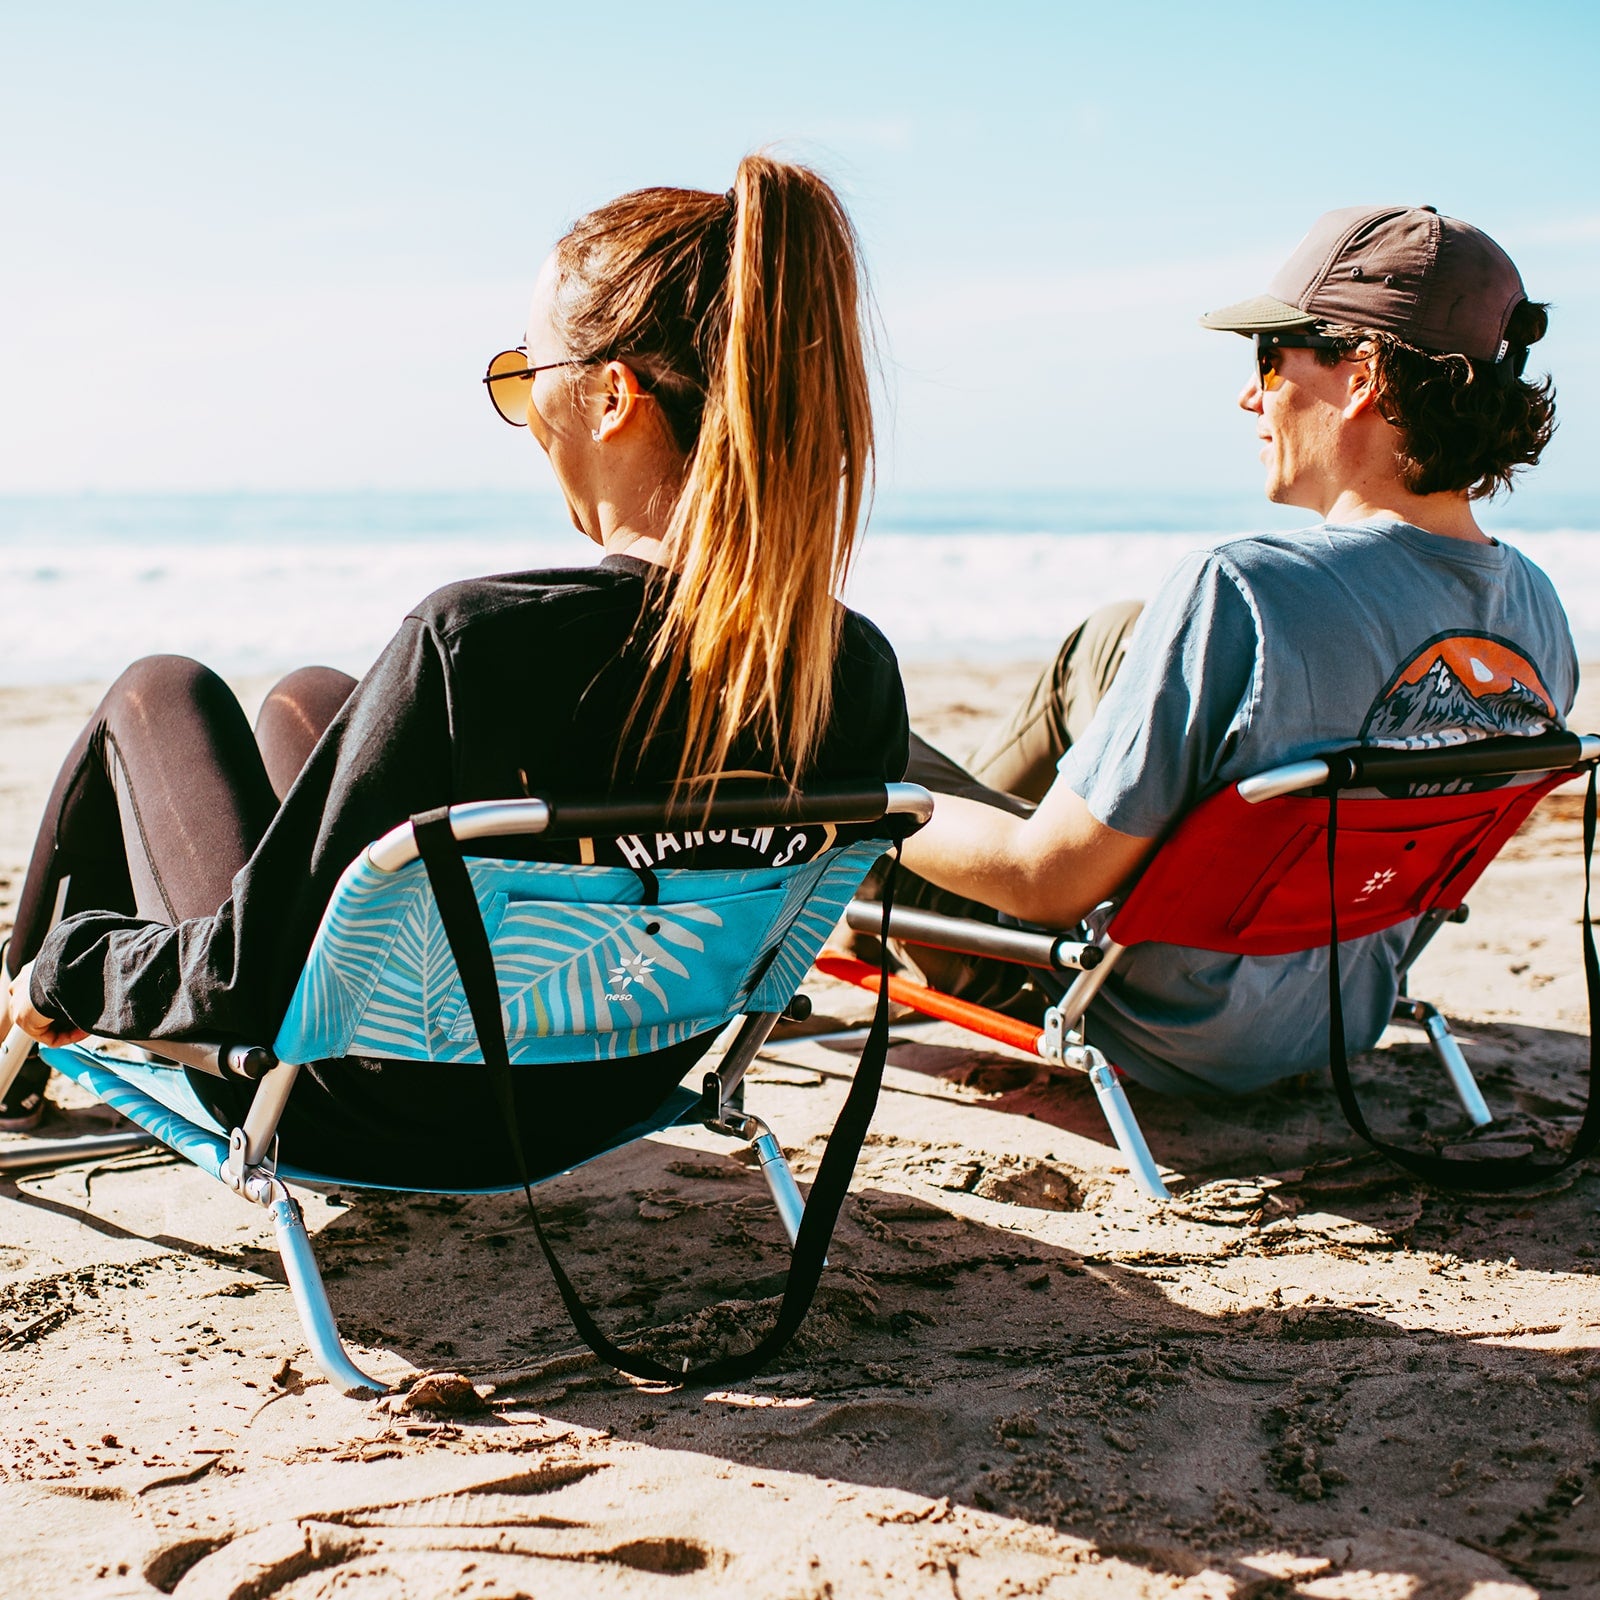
<point x="1052" y="867"/>
<point x="1180" y="703"/>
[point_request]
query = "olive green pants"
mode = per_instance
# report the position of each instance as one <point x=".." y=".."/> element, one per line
<point x="1018" y="760"/>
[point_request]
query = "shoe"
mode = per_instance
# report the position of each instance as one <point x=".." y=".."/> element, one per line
<point x="23" y="1106"/>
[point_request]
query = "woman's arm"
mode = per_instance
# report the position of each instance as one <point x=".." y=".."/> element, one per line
<point x="1052" y="867"/>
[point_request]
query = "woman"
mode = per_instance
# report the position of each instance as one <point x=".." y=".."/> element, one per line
<point x="695" y="372"/>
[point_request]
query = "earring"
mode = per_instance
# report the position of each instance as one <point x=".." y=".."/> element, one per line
<point x="595" y="435"/>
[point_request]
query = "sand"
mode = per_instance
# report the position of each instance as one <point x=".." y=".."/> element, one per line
<point x="1304" y="1376"/>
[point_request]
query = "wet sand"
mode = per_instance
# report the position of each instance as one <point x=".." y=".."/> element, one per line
<point x="1304" y="1376"/>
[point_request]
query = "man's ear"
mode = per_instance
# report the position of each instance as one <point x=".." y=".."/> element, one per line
<point x="1361" y="393"/>
<point x="621" y="395"/>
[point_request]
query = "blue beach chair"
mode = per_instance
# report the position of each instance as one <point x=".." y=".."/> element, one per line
<point x="427" y="953"/>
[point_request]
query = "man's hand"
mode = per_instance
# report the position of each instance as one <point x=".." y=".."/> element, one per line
<point x="17" y="1008"/>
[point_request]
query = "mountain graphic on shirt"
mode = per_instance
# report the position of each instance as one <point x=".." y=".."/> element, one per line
<point x="1460" y="687"/>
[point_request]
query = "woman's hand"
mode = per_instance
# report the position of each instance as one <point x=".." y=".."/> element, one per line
<point x="23" y="1013"/>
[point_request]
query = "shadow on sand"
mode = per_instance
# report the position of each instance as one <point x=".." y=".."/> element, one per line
<point x="1254" y="1367"/>
<point x="1100" y="1386"/>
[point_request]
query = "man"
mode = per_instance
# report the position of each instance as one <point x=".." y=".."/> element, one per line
<point x="1388" y="397"/>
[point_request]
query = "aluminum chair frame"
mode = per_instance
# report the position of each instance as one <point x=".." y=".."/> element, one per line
<point x="246" y="1162"/>
<point x="1060" y="1042"/>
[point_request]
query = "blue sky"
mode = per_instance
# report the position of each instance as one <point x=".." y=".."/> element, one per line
<point x="254" y="245"/>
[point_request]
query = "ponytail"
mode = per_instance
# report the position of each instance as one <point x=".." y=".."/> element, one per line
<point x="744" y="315"/>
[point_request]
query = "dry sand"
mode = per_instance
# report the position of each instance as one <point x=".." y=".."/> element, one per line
<point x="1305" y="1376"/>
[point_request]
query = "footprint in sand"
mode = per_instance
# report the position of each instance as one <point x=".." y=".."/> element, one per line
<point x="408" y="1546"/>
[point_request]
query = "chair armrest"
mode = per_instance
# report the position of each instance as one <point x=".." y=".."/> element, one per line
<point x="733" y="807"/>
<point x="221" y="1058"/>
<point x="1366" y="766"/>
<point x="967" y="936"/>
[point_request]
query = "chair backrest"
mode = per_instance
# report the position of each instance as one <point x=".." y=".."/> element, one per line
<point x="1251" y="878"/>
<point x="593" y="962"/>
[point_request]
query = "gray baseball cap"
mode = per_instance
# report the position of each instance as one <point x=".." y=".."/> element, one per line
<point x="1437" y="283"/>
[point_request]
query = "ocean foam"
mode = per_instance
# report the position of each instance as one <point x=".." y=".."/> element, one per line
<point x="81" y="608"/>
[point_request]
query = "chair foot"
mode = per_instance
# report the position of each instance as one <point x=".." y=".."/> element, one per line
<point x="46" y="1155"/>
<point x="1125" y="1127"/>
<point x="311" y="1301"/>
<point x="1448" y="1053"/>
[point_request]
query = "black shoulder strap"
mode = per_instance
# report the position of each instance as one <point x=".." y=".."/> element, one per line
<point x="1482" y="1173"/>
<point x="462" y="920"/>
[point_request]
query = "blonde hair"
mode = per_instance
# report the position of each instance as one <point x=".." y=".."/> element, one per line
<point x="745" y="316"/>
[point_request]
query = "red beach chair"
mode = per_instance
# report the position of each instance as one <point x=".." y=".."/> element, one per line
<point x="1294" y="859"/>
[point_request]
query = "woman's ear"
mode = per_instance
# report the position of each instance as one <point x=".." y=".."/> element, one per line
<point x="620" y="397"/>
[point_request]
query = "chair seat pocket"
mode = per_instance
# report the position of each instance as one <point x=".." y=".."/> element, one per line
<point x="568" y="968"/>
<point x="1383" y="876"/>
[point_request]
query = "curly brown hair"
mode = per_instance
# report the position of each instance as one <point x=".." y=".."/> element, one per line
<point x="1464" y="425"/>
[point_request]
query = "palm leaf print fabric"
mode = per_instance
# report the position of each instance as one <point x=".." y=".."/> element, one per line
<point x="586" y="972"/>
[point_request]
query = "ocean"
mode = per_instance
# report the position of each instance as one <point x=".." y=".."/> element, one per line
<point x="253" y="583"/>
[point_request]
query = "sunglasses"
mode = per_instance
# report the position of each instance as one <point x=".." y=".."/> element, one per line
<point x="509" y="381"/>
<point x="1269" y="349"/>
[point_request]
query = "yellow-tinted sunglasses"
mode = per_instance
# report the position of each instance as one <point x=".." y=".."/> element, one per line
<point x="509" y="381"/>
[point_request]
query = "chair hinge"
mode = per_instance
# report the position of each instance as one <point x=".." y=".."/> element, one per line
<point x="1058" y="1043"/>
<point x="1053" y="1039"/>
<point x="710" y="1109"/>
<point x="254" y="1183"/>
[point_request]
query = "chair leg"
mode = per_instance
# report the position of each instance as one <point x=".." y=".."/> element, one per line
<point x="1124" y="1126"/>
<point x="311" y="1301"/>
<point x="775" y="1169"/>
<point x="1060" y="1044"/>
<point x="13" y="1052"/>
<point x="780" y="1181"/>
<point x="1448" y="1052"/>
<point x="46" y="1155"/>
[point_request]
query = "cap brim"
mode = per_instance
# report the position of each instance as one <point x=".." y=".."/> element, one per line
<point x="1261" y="315"/>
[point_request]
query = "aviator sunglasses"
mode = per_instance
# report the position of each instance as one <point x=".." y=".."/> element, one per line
<point x="509" y="381"/>
<point x="1270" y="345"/>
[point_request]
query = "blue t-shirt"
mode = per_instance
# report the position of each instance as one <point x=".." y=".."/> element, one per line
<point x="1271" y="649"/>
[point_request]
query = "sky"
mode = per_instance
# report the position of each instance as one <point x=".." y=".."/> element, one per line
<point x="271" y="245"/>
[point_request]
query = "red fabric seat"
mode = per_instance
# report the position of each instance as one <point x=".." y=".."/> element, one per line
<point x="1255" y="879"/>
<point x="1252" y="879"/>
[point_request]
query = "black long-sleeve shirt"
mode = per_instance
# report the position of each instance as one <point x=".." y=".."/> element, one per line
<point x="493" y="687"/>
